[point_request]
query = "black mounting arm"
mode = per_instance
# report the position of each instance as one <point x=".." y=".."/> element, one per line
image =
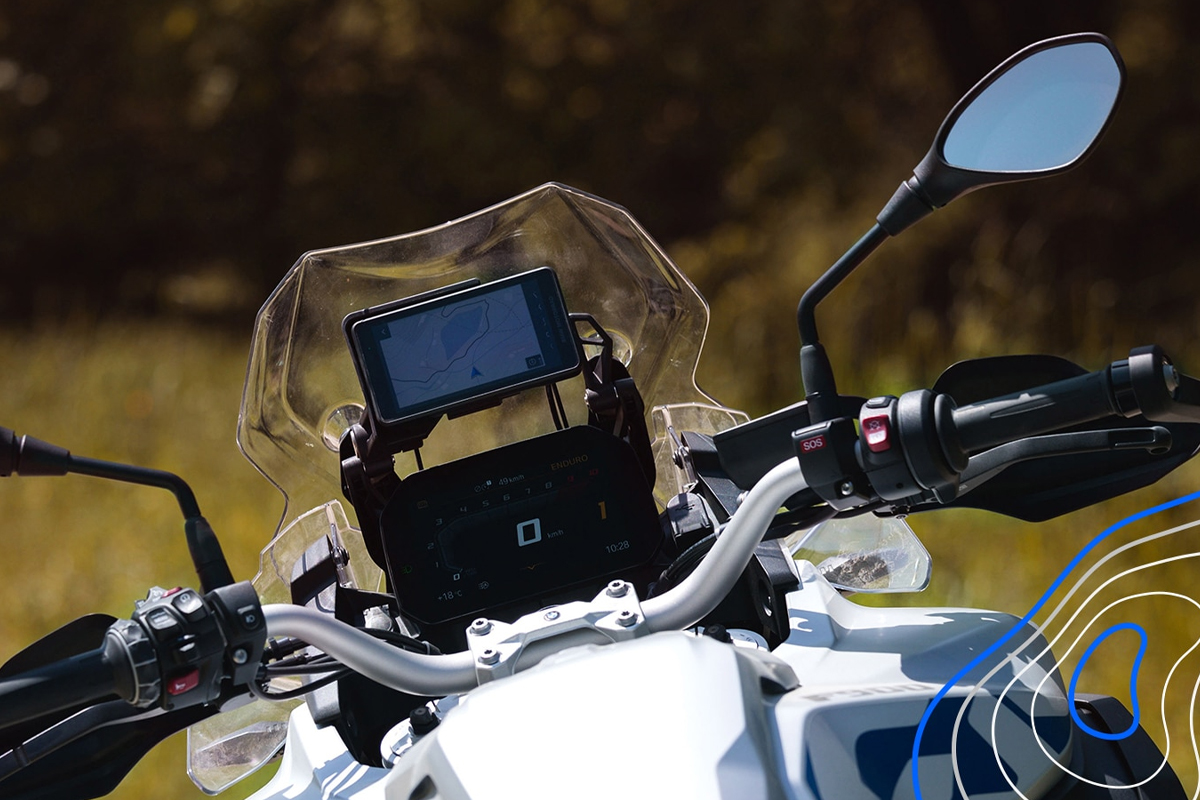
<point x="820" y="388"/>
<point x="25" y="455"/>
<point x="614" y="403"/>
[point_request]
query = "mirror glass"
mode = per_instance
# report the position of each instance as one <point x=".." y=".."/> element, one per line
<point x="1041" y="114"/>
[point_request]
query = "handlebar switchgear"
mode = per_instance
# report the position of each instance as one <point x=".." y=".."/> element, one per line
<point x="178" y="650"/>
<point x="914" y="448"/>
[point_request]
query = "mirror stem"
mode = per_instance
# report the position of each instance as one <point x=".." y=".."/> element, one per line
<point x="820" y="388"/>
<point x="806" y="311"/>
<point x="908" y="205"/>
<point x="25" y="455"/>
<point x="819" y="385"/>
<point x="140" y="475"/>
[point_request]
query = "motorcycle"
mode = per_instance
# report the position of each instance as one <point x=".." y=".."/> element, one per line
<point x="656" y="600"/>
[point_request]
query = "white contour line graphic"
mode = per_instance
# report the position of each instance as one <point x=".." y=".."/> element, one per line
<point x="1037" y="632"/>
<point x="1163" y="696"/>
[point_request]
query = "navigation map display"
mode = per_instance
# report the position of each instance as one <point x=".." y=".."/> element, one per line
<point x="487" y="341"/>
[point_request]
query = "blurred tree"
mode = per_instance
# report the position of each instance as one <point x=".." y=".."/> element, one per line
<point x="178" y="156"/>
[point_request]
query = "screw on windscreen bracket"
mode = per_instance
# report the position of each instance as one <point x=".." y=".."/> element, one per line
<point x="25" y="455"/>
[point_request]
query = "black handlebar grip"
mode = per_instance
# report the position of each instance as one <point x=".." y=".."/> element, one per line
<point x="79" y="679"/>
<point x="1054" y="406"/>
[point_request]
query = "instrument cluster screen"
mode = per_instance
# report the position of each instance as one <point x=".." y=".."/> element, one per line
<point x="518" y="522"/>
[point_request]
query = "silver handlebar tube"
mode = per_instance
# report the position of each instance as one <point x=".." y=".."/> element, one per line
<point x="699" y="593"/>
<point x="432" y="676"/>
<point x="676" y="609"/>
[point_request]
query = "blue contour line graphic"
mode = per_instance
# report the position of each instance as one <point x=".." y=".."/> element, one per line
<point x="1062" y="576"/>
<point x="1133" y="676"/>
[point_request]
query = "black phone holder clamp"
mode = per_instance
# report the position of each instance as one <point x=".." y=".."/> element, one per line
<point x="614" y="403"/>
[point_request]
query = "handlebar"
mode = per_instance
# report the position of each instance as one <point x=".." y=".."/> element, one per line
<point x="915" y="445"/>
<point x="1146" y="383"/>
<point x="429" y="675"/>
<point x="675" y="609"/>
<point x="699" y="593"/>
<point x="986" y="424"/>
<point x="178" y="650"/>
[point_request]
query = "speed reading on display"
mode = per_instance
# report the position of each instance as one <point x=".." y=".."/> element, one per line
<point x="563" y="520"/>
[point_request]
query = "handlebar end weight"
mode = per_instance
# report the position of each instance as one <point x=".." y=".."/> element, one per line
<point x="1163" y="394"/>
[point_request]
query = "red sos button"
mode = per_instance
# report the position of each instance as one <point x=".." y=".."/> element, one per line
<point x="815" y="443"/>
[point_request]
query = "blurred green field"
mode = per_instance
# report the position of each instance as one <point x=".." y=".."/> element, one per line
<point x="167" y="396"/>
<point x="158" y="395"/>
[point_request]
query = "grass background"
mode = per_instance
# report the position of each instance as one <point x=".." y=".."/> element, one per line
<point x="167" y="395"/>
<point x="154" y="394"/>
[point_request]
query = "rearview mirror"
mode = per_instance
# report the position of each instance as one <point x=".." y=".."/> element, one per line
<point x="1037" y="114"/>
<point x="1043" y="114"/>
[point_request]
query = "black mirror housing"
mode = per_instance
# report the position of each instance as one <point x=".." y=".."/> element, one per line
<point x="8" y="452"/>
<point x="1012" y="101"/>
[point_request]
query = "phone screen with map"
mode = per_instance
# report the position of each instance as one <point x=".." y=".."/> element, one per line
<point x="484" y="342"/>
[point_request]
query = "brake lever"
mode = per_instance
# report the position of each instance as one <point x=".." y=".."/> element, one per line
<point x="66" y="731"/>
<point x="986" y="465"/>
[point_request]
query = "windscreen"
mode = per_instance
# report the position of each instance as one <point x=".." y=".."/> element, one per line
<point x="302" y="390"/>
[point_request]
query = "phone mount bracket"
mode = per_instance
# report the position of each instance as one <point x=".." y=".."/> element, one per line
<point x="614" y="403"/>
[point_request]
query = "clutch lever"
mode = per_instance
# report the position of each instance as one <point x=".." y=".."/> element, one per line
<point x="984" y="466"/>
